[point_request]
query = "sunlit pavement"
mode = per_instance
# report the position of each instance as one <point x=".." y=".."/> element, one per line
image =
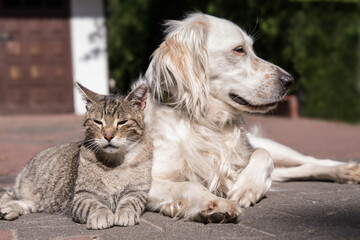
<point x="296" y="210"/>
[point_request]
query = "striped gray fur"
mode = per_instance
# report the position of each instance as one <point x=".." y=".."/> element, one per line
<point x="102" y="181"/>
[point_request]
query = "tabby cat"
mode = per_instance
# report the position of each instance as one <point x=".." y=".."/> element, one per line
<point x="102" y="181"/>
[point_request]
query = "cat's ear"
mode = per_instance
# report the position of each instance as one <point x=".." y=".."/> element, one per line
<point x="138" y="97"/>
<point x="88" y="95"/>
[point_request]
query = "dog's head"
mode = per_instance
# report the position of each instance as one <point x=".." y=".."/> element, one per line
<point x="203" y="58"/>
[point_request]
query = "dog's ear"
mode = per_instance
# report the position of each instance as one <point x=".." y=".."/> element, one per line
<point x="177" y="72"/>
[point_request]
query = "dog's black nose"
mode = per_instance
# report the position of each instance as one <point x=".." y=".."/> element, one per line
<point x="286" y="80"/>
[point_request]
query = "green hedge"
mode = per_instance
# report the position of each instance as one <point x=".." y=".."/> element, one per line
<point x="316" y="41"/>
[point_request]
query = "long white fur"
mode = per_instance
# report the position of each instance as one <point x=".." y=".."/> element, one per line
<point x="204" y="164"/>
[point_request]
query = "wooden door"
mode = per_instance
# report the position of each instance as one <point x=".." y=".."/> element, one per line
<point x="35" y="57"/>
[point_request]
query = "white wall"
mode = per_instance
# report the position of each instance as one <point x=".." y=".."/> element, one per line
<point x="88" y="43"/>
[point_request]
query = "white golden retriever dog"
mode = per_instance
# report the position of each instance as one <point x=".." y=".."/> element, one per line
<point x="206" y="166"/>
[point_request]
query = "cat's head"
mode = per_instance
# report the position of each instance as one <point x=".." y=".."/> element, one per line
<point x="113" y="123"/>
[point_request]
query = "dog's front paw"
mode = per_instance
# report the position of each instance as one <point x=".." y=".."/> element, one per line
<point x="100" y="219"/>
<point x="247" y="196"/>
<point x="126" y="217"/>
<point x="219" y="211"/>
<point x="254" y="181"/>
<point x="174" y="208"/>
<point x="250" y="192"/>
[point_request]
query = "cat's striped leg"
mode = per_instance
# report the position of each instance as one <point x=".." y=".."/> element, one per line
<point x="130" y="208"/>
<point x="86" y="209"/>
<point x="11" y="209"/>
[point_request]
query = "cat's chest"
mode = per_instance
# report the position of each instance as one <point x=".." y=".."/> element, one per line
<point x="115" y="180"/>
<point x="108" y="180"/>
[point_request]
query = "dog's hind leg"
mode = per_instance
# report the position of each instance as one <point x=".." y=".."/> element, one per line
<point x="343" y="173"/>
<point x="292" y="165"/>
<point x="191" y="201"/>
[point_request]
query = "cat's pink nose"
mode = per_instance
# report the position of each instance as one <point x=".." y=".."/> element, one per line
<point x="108" y="136"/>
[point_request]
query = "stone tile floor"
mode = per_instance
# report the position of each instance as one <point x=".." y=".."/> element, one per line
<point x="294" y="210"/>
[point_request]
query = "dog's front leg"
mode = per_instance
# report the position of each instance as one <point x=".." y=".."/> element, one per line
<point x="192" y="201"/>
<point x="254" y="181"/>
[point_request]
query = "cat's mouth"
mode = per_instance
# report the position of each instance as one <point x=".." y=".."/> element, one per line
<point x="110" y="147"/>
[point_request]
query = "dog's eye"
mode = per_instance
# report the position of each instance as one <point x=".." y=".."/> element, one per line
<point x="239" y="51"/>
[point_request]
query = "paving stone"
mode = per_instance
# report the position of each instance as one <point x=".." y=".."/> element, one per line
<point x="6" y="234"/>
<point x="292" y="210"/>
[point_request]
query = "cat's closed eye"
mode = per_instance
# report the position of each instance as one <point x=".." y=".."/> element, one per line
<point x="122" y="122"/>
<point x="98" y="122"/>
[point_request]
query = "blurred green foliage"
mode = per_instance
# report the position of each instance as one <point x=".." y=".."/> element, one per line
<point x="316" y="41"/>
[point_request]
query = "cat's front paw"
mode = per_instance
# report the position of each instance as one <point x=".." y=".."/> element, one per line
<point x="100" y="219"/>
<point x="10" y="213"/>
<point x="13" y="209"/>
<point x="126" y="217"/>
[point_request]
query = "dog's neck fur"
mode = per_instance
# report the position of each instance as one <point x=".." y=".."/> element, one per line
<point x="217" y="115"/>
<point x="221" y="150"/>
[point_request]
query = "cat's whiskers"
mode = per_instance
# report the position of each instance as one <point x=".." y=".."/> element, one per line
<point x="88" y="142"/>
<point x="92" y="145"/>
<point x="96" y="149"/>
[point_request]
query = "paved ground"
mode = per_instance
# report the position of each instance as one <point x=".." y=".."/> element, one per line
<point x="297" y="210"/>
